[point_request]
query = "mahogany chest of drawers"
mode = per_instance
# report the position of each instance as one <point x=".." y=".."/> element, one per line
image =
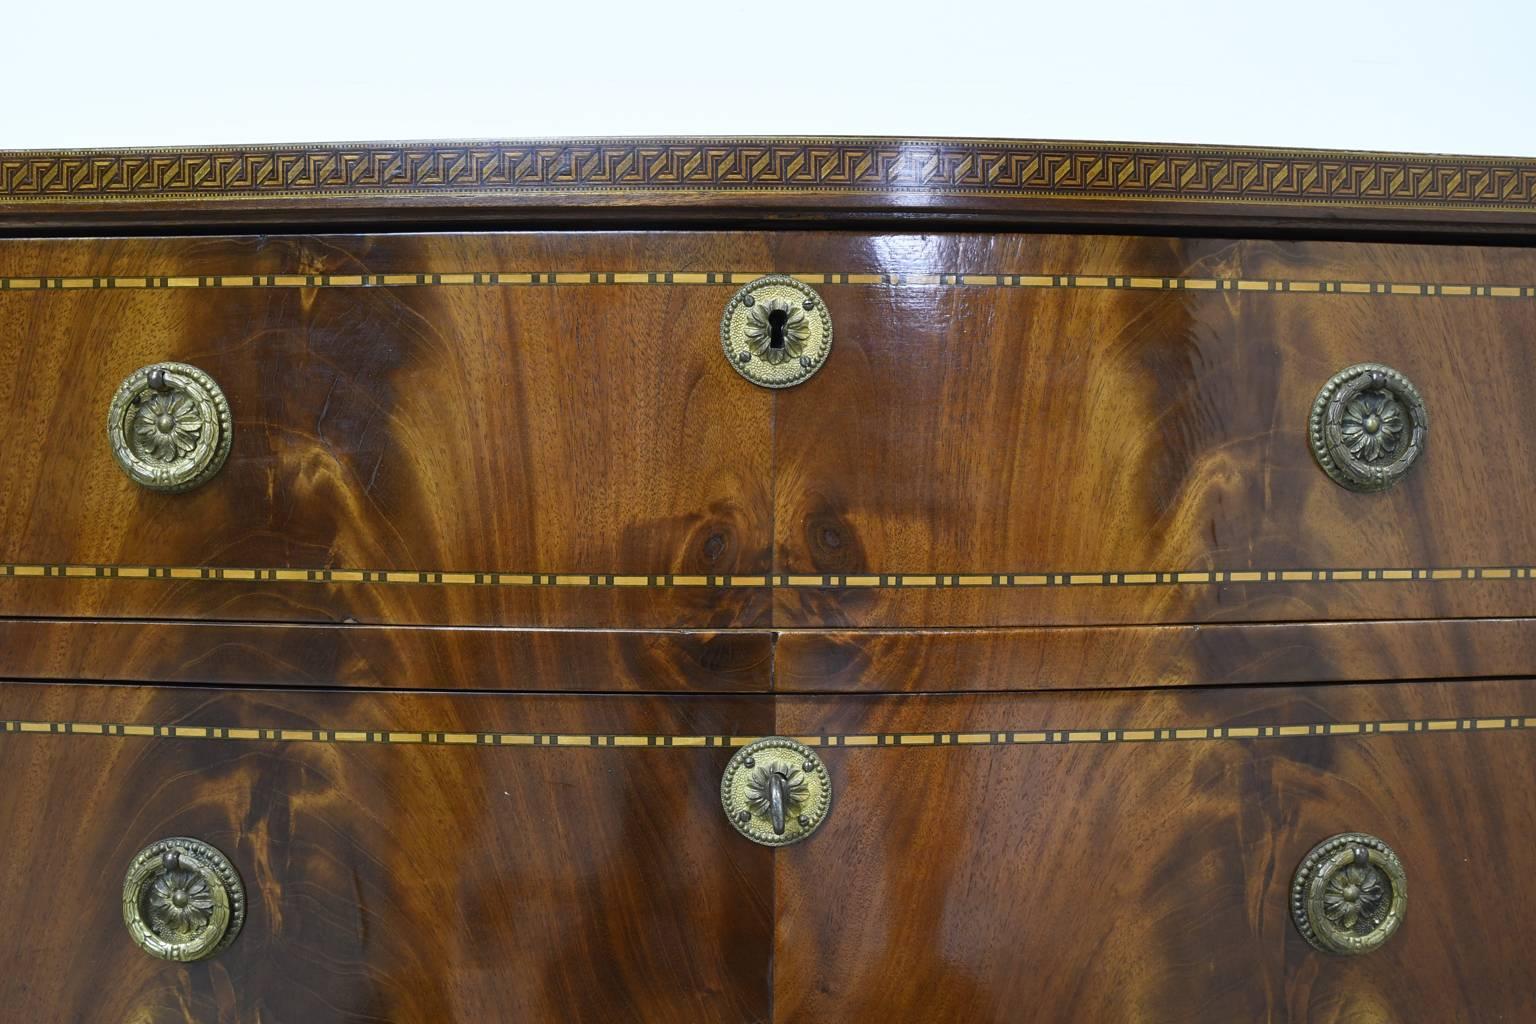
<point x="767" y="580"/>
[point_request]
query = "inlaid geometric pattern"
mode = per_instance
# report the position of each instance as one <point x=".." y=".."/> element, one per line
<point x="567" y="278"/>
<point x="1021" y="169"/>
<point x="1010" y="737"/>
<point x="1151" y="577"/>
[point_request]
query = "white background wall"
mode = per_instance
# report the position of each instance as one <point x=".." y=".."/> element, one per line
<point x="1363" y="74"/>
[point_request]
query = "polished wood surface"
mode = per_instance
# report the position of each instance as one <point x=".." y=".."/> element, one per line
<point x="1102" y="856"/>
<point x="1148" y="881"/>
<point x="595" y="429"/>
<point x="446" y="429"/>
<point x="1076" y="430"/>
<point x="387" y="882"/>
<point x="390" y="658"/>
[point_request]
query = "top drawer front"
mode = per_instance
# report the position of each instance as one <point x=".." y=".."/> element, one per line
<point x="542" y="430"/>
<point x="1068" y="430"/>
<point x="426" y="429"/>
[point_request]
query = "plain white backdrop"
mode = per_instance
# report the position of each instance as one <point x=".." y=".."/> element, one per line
<point x="1407" y="75"/>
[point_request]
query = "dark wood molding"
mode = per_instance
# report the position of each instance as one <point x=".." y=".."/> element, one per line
<point x="390" y="658"/>
<point x="1015" y="182"/>
<point x="1137" y="657"/>
<point x="762" y="661"/>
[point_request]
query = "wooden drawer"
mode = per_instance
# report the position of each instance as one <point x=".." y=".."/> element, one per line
<point x="391" y="874"/>
<point x="1073" y="430"/>
<point x="1122" y="856"/>
<point x="451" y="429"/>
<point x="541" y="429"/>
<point x="1129" y="857"/>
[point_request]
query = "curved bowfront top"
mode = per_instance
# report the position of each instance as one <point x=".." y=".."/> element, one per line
<point x="1010" y="183"/>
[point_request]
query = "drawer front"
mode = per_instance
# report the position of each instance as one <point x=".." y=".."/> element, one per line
<point x="412" y="857"/>
<point x="1104" y="430"/>
<point x="543" y="430"/>
<point x="425" y="429"/>
<point x="1108" y="857"/>
<point x="418" y="858"/>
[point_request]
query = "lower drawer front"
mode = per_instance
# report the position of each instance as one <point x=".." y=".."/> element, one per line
<point x="390" y="875"/>
<point x="1129" y="856"/>
<point x="1083" y="857"/>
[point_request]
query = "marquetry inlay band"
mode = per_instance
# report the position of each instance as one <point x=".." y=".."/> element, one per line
<point x="551" y="278"/>
<point x="897" y="581"/>
<point x="994" y="738"/>
<point x="1005" y="169"/>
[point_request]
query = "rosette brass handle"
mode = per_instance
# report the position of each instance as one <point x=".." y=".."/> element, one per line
<point x="1349" y="894"/>
<point x="776" y="791"/>
<point x="169" y="427"/>
<point x="182" y="900"/>
<point x="1368" y="427"/>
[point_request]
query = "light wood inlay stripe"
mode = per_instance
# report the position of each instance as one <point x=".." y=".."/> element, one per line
<point x="85" y="573"/>
<point x="587" y="278"/>
<point x="1000" y="737"/>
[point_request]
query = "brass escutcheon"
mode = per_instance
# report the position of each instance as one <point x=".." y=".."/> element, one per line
<point x="776" y="791"/>
<point x="1349" y="894"/>
<point x="1368" y="427"/>
<point x="182" y="900"/>
<point x="776" y="331"/>
<point x="169" y="427"/>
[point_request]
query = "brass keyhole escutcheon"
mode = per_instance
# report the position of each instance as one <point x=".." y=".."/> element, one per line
<point x="776" y="791"/>
<point x="776" y="331"/>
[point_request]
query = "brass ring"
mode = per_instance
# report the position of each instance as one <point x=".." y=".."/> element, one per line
<point x="182" y="900"/>
<point x="169" y="426"/>
<point x="1349" y="894"/>
<point x="1368" y="427"/>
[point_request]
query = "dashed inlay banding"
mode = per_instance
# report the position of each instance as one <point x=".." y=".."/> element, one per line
<point x="737" y="278"/>
<point x="995" y="738"/>
<point x="787" y="581"/>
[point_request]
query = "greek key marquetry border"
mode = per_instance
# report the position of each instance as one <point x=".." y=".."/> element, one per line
<point x="550" y="278"/>
<point x="910" y="581"/>
<point x="992" y="738"/>
<point x="1019" y="169"/>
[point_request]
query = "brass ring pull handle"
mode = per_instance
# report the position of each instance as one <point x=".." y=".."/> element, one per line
<point x="778" y="783"/>
<point x="1349" y="894"/>
<point x="776" y="331"/>
<point x="776" y="791"/>
<point x="1368" y="427"/>
<point x="182" y="900"/>
<point x="169" y="427"/>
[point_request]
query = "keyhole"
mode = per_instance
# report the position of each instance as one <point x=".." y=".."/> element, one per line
<point x="776" y="319"/>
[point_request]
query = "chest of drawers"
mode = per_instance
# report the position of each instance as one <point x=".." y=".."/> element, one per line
<point x="787" y="580"/>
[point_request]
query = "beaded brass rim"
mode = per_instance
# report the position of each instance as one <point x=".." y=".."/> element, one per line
<point x="182" y="900"/>
<point x="1349" y="894"/>
<point x="776" y="331"/>
<point x="776" y="791"/>
<point x="1368" y="427"/>
<point x="169" y="426"/>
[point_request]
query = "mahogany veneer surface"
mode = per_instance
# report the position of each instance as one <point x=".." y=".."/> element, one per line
<point x="1148" y="880"/>
<point x="1089" y="856"/>
<point x="1085" y="429"/>
<point x="391" y="882"/>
